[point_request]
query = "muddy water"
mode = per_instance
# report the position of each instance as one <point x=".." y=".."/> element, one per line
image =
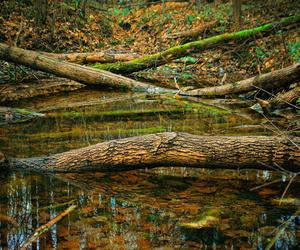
<point x="163" y="208"/>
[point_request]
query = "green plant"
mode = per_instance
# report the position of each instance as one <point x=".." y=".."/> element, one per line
<point x="294" y="50"/>
<point x="122" y="12"/>
<point x="190" y="19"/>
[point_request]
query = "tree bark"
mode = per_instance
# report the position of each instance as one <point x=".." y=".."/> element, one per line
<point x="237" y="13"/>
<point x="270" y="81"/>
<point x="42" y="87"/>
<point x="93" y="57"/>
<point x="168" y="55"/>
<point x="286" y="99"/>
<point x="80" y="73"/>
<point x="41" y="12"/>
<point x="173" y="149"/>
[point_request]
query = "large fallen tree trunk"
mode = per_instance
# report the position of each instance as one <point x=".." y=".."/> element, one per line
<point x="270" y="81"/>
<point x="185" y="49"/>
<point x="93" y="57"/>
<point x="83" y="74"/>
<point x="173" y="149"/>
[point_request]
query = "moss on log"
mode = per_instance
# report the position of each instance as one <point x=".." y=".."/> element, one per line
<point x="79" y="73"/>
<point x="173" y="149"/>
<point x="170" y="54"/>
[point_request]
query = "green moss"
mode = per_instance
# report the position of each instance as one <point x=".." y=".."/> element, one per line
<point x="185" y="49"/>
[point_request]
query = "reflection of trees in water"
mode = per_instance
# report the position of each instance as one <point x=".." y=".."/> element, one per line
<point x="115" y="211"/>
<point x="19" y="207"/>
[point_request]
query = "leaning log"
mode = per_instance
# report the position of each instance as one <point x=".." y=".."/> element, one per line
<point x="270" y="81"/>
<point x="79" y="73"/>
<point x="173" y="149"/>
<point x="170" y="54"/>
<point x="93" y="57"/>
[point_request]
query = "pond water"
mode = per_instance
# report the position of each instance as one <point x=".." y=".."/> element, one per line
<point x="162" y="208"/>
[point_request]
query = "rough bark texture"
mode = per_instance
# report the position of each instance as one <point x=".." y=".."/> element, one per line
<point x="83" y="74"/>
<point x="44" y="87"/>
<point x="173" y="149"/>
<point x="273" y="80"/>
<point x="195" y="32"/>
<point x="287" y="98"/>
<point x="93" y="57"/>
<point x="168" y="55"/>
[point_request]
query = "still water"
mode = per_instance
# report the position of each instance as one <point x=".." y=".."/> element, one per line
<point x="162" y="208"/>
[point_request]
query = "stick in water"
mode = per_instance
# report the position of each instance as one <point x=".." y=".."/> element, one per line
<point x="44" y="228"/>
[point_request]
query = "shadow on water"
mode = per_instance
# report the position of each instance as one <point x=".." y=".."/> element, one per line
<point x="163" y="208"/>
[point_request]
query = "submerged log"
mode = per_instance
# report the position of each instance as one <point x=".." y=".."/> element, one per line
<point x="17" y="115"/>
<point x="80" y="73"/>
<point x="173" y="149"/>
<point x="170" y="54"/>
<point x="269" y="81"/>
<point x="41" y="87"/>
<point x="93" y="57"/>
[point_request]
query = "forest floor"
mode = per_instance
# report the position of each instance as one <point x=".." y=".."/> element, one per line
<point x="148" y="29"/>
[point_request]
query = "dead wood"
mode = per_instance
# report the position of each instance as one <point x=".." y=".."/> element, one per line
<point x="166" y="56"/>
<point x="80" y="73"/>
<point x="195" y="32"/>
<point x="45" y="228"/>
<point x="275" y="80"/>
<point x="173" y="149"/>
<point x="286" y="98"/>
<point x="93" y="57"/>
<point x="40" y="87"/>
<point x="172" y="79"/>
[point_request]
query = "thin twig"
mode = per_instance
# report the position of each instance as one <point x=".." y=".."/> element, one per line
<point x="46" y="227"/>
<point x="281" y="231"/>
<point x="287" y="188"/>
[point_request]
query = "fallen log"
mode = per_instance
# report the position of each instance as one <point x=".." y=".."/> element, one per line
<point x="172" y="149"/>
<point x="93" y="57"/>
<point x="41" y="87"/>
<point x="17" y="115"/>
<point x="195" y="32"/>
<point x="269" y="81"/>
<point x="80" y="73"/>
<point x="286" y="99"/>
<point x="170" y="54"/>
<point x="172" y="78"/>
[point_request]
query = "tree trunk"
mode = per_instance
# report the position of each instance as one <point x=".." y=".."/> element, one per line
<point x="83" y="74"/>
<point x="286" y="99"/>
<point x="41" y="11"/>
<point x="237" y="13"/>
<point x="93" y="57"/>
<point x="270" y="81"/>
<point x="173" y="149"/>
<point x="168" y="55"/>
<point x="41" y="87"/>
